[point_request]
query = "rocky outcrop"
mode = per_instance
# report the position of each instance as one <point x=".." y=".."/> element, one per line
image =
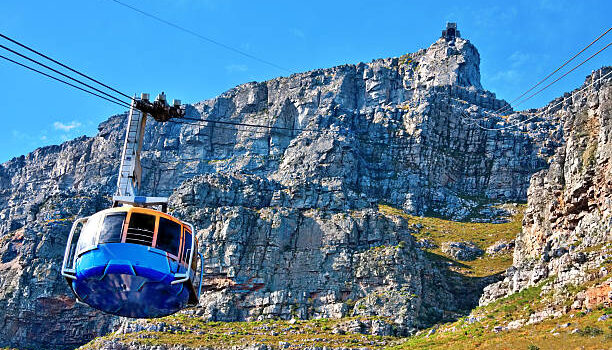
<point x="451" y="63"/>
<point x="312" y="264"/>
<point x="567" y="228"/>
<point x="37" y="310"/>
<point x="500" y="247"/>
<point x="462" y="250"/>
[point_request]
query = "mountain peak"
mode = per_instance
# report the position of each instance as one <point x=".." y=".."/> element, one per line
<point x="451" y="60"/>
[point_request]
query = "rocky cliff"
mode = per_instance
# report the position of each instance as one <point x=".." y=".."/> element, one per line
<point x="289" y="219"/>
<point x="567" y="229"/>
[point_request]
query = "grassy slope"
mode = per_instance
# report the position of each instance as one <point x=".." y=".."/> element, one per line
<point x="589" y="333"/>
<point x="193" y="332"/>
<point x="592" y="334"/>
<point x="482" y="234"/>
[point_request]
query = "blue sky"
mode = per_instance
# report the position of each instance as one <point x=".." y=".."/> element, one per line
<point x="519" y="43"/>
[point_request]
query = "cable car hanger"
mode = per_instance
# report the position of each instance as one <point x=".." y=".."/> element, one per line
<point x="131" y="259"/>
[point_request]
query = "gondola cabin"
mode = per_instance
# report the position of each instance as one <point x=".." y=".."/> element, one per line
<point x="133" y="262"/>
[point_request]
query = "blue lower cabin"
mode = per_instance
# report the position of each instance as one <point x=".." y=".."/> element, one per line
<point x="134" y="262"/>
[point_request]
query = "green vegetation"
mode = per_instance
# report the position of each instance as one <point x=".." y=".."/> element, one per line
<point x="215" y="161"/>
<point x="576" y="330"/>
<point x="405" y="59"/>
<point x="591" y="331"/>
<point x="589" y="155"/>
<point x="191" y="331"/>
<point x="482" y="234"/>
<point x="595" y="248"/>
<point x="579" y="331"/>
<point x="587" y="128"/>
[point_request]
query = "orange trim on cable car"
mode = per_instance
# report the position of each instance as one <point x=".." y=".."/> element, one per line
<point x="130" y="210"/>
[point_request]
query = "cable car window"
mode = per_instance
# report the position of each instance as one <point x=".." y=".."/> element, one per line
<point x="169" y="236"/>
<point x="87" y="237"/>
<point x="141" y="229"/>
<point x="112" y="228"/>
<point x="187" y="247"/>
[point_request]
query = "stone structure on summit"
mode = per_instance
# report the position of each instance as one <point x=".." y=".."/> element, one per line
<point x="451" y="32"/>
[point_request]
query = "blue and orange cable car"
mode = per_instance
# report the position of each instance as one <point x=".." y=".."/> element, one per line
<point x="131" y="260"/>
<point x="134" y="262"/>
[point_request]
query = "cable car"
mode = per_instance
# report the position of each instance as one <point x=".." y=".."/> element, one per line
<point x="132" y="260"/>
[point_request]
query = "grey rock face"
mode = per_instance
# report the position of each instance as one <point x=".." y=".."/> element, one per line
<point x="37" y="310"/>
<point x="426" y="243"/>
<point x="311" y="264"/>
<point x="567" y="226"/>
<point x="500" y="246"/>
<point x="460" y="59"/>
<point x="465" y="251"/>
<point x="286" y="216"/>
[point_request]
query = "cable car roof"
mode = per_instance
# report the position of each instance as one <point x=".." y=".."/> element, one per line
<point x="132" y="209"/>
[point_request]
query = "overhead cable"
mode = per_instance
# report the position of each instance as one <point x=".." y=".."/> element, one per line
<point x="202" y="37"/>
<point x="63" y="65"/>
<point x="541" y="113"/>
<point x="60" y="73"/>
<point x="568" y="72"/>
<point x="247" y="124"/>
<point x="549" y="75"/>
<point x="117" y="100"/>
<point x="63" y="81"/>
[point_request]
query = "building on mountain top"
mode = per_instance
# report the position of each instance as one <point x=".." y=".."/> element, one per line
<point x="451" y="32"/>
